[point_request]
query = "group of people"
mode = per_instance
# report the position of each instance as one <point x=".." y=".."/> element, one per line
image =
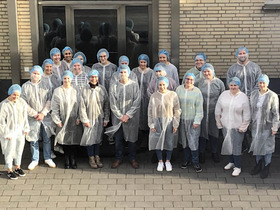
<point x="78" y="104"/>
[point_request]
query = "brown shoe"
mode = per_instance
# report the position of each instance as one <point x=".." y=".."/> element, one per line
<point x="92" y="162"/>
<point x="134" y="164"/>
<point x="116" y="164"/>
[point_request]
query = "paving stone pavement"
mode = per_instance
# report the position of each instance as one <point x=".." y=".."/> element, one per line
<point x="126" y="188"/>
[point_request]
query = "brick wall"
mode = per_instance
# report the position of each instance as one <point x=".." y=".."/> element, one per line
<point x="5" y="64"/>
<point x="165" y="25"/>
<point x="219" y="27"/>
<point x="24" y="30"/>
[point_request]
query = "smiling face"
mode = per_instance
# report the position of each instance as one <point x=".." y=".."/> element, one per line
<point x="103" y="58"/>
<point x="189" y="81"/>
<point x="162" y="87"/>
<point x="48" y="69"/>
<point x="234" y="88"/>
<point x="56" y="58"/>
<point x="14" y="96"/>
<point x="67" y="56"/>
<point x="162" y="58"/>
<point x="77" y="68"/>
<point x="242" y="56"/>
<point x="93" y="79"/>
<point x="123" y="76"/>
<point x="67" y="81"/>
<point x="208" y="74"/>
<point x="199" y="62"/>
<point x="143" y="64"/>
<point x="35" y="76"/>
<point x="263" y="86"/>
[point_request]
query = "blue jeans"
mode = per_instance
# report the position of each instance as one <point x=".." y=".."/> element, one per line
<point x="213" y="141"/>
<point x="267" y="158"/>
<point x="236" y="159"/>
<point x="119" y="137"/>
<point x="34" y="146"/>
<point x="93" y="150"/>
<point x="188" y="154"/>
<point x="168" y="154"/>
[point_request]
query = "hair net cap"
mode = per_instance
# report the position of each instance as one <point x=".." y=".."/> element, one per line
<point x="200" y="55"/>
<point x="67" y="48"/>
<point x="36" y="68"/>
<point x="54" y="51"/>
<point x="47" y="61"/>
<point x="82" y="55"/>
<point x="160" y="67"/>
<point x="67" y="73"/>
<point x="14" y="88"/>
<point x="93" y="72"/>
<point x="164" y="79"/>
<point x="189" y="74"/>
<point x="101" y="51"/>
<point x="235" y="80"/>
<point x="264" y="78"/>
<point x="240" y="49"/>
<point x="145" y="58"/>
<point x="208" y="66"/>
<point x="123" y="68"/>
<point x="164" y="52"/>
<point x="76" y="60"/>
<point x="123" y="58"/>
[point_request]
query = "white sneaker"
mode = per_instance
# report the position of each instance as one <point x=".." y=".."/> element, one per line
<point x="168" y="166"/>
<point x="50" y="163"/>
<point x="236" y="171"/>
<point x="32" y="165"/>
<point x="160" y="166"/>
<point x="229" y="166"/>
<point x="53" y="156"/>
<point x="58" y="149"/>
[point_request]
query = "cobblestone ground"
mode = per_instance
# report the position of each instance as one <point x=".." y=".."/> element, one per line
<point x="144" y="188"/>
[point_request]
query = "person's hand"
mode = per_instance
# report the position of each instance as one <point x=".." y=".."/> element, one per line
<point x="125" y="118"/>
<point x="153" y="130"/>
<point x="25" y="133"/>
<point x="195" y="126"/>
<point x="105" y="124"/>
<point x="240" y="131"/>
<point x="86" y="124"/>
<point x="78" y="122"/>
<point x="174" y="130"/>
<point x="39" y="117"/>
<point x="9" y="138"/>
<point x="59" y="125"/>
<point x="273" y="133"/>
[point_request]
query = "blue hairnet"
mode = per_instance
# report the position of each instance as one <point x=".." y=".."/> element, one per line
<point x="188" y="74"/>
<point x="93" y="72"/>
<point x="76" y="60"/>
<point x="160" y="67"/>
<point x="14" y="88"/>
<point x="54" y="51"/>
<point x="101" y="51"/>
<point x="144" y="57"/>
<point x="123" y="58"/>
<point x="36" y="68"/>
<point x="235" y="80"/>
<point x="123" y="68"/>
<point x="241" y="48"/>
<point x="163" y="79"/>
<point x="208" y="66"/>
<point x="164" y="52"/>
<point x="67" y="48"/>
<point x="264" y="78"/>
<point x="81" y="54"/>
<point x="47" y="61"/>
<point x="200" y="55"/>
<point x="67" y="73"/>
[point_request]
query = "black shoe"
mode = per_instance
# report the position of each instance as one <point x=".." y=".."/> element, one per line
<point x="215" y="157"/>
<point x="12" y="175"/>
<point x="265" y="172"/>
<point x="197" y="168"/>
<point x="19" y="172"/>
<point x="67" y="162"/>
<point x="202" y="157"/>
<point x="186" y="164"/>
<point x="73" y="162"/>
<point x="257" y="169"/>
<point x="154" y="158"/>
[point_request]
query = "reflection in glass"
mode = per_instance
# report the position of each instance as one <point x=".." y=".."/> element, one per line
<point x="54" y="29"/>
<point x="95" y="29"/>
<point x="137" y="40"/>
